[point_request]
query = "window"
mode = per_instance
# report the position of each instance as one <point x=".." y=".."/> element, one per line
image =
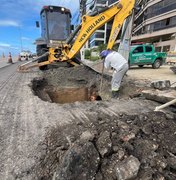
<point x="166" y="48"/>
<point x="148" y="49"/>
<point x="101" y="1"/>
<point x="158" y="49"/>
<point x="167" y="21"/>
<point x="138" y="50"/>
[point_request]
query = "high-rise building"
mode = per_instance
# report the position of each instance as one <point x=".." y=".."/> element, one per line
<point x="99" y="37"/>
<point x="156" y="23"/>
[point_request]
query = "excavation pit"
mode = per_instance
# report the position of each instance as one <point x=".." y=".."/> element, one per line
<point x="63" y="95"/>
<point x="69" y="95"/>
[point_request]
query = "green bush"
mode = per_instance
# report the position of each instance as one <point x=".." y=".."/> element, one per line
<point x="87" y="54"/>
<point x="102" y="47"/>
<point x="94" y="58"/>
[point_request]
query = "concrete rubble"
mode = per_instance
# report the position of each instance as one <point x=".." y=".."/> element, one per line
<point x="127" y="169"/>
<point x="80" y="162"/>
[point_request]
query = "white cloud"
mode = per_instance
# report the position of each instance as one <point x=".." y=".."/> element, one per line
<point x="25" y="38"/>
<point x="9" y="23"/>
<point x="16" y="48"/>
<point x="4" y="45"/>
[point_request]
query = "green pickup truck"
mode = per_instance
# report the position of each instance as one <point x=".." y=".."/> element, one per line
<point x="145" y="55"/>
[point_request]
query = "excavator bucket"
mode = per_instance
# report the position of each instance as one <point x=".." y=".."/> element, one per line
<point x="33" y="63"/>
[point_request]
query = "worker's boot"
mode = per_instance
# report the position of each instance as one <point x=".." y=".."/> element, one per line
<point x="115" y="94"/>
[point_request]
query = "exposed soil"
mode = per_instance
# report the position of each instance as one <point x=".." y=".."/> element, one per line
<point x="82" y="77"/>
<point x="107" y="139"/>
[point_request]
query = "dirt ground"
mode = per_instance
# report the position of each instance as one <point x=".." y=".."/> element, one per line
<point x="41" y="139"/>
<point x="116" y="136"/>
<point x="147" y="72"/>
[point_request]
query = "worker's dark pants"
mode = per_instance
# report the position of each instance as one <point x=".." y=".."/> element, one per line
<point x="118" y="76"/>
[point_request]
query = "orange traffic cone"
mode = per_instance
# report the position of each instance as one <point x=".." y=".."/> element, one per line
<point x="19" y="57"/>
<point x="10" y="58"/>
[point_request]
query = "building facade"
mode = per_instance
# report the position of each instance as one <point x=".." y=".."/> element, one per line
<point x="99" y="37"/>
<point x="155" y="23"/>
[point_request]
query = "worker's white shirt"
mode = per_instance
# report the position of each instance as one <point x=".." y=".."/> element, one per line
<point x="114" y="60"/>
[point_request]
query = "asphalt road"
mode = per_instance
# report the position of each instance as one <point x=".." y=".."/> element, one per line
<point x="24" y="119"/>
<point x="16" y="125"/>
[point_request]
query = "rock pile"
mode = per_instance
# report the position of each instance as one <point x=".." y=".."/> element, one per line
<point x="122" y="147"/>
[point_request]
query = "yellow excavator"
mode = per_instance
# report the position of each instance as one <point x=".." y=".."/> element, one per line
<point x="68" y="45"/>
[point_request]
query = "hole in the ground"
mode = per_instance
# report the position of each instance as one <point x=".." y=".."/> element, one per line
<point x="64" y="95"/>
<point x="69" y="95"/>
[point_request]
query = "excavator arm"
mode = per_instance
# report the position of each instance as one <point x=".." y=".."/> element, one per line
<point x="90" y="23"/>
<point x="119" y="12"/>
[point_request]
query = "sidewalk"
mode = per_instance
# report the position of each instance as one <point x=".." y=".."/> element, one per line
<point x="4" y="62"/>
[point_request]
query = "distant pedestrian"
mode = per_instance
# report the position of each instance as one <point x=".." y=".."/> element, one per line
<point x="26" y="57"/>
<point x="113" y="59"/>
<point x="10" y="58"/>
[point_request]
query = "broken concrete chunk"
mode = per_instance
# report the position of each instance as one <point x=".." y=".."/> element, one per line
<point x="127" y="169"/>
<point x="121" y="154"/>
<point x="115" y="148"/>
<point x="128" y="137"/>
<point x="80" y="162"/>
<point x="160" y="96"/>
<point x="99" y="176"/>
<point x="87" y="136"/>
<point x="104" y="144"/>
<point x="172" y="162"/>
<point x="161" y="85"/>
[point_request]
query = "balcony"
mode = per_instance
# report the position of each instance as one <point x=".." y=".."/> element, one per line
<point x="154" y="34"/>
<point x="162" y="11"/>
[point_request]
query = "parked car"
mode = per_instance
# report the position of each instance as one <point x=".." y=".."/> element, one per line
<point x="145" y="54"/>
<point x="26" y="53"/>
<point x="34" y="55"/>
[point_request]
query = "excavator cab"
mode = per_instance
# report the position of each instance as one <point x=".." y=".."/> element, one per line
<point x="55" y="25"/>
<point x="55" y="29"/>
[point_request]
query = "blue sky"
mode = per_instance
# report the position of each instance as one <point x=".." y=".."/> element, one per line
<point x="17" y="22"/>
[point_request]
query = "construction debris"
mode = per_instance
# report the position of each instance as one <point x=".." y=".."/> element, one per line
<point x="173" y="68"/>
<point x="97" y="151"/>
<point x="161" y="85"/>
<point x="128" y="168"/>
<point x="109" y="145"/>
<point x="160" y="96"/>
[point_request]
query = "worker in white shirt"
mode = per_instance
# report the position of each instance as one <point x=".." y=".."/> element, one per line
<point x="113" y="59"/>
